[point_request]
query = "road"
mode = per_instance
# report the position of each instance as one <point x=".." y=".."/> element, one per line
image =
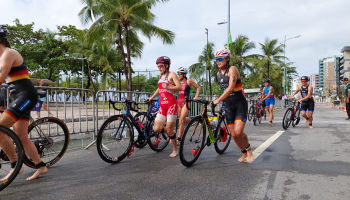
<point x="302" y="163"/>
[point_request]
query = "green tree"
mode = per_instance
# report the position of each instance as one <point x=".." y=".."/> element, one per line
<point x="272" y="54"/>
<point x="124" y="19"/>
<point x="239" y="49"/>
<point x="199" y="69"/>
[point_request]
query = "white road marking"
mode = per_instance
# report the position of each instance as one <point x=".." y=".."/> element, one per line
<point x="266" y="144"/>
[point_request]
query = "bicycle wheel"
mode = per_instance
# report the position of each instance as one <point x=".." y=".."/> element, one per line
<point x="223" y="137"/>
<point x="115" y="139"/>
<point x="254" y="117"/>
<point x="192" y="142"/>
<point x="296" y="119"/>
<point x="260" y="113"/>
<point x="50" y="137"/>
<point x="287" y="118"/>
<point x="250" y="113"/>
<point x="141" y="140"/>
<point x="6" y="174"/>
<point x="156" y="141"/>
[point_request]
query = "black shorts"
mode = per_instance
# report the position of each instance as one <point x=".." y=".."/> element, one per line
<point x="236" y="108"/>
<point x="308" y="105"/>
<point x="24" y="97"/>
<point x="3" y="96"/>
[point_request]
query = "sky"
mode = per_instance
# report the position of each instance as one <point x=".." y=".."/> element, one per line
<point x="324" y="26"/>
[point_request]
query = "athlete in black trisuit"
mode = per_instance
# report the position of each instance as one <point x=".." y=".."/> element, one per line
<point x="307" y="101"/>
<point x="235" y="103"/>
<point x="14" y="71"/>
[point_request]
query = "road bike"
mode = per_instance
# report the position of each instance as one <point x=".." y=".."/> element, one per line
<point x="195" y="138"/>
<point x="5" y="165"/>
<point x="255" y="112"/>
<point x="292" y="115"/>
<point x="116" y="137"/>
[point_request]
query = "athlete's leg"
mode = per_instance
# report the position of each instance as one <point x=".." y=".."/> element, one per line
<point x="21" y="129"/>
<point x="271" y="113"/>
<point x="310" y="118"/>
<point x="303" y="113"/>
<point x="241" y="139"/>
<point x="183" y="117"/>
<point x="170" y="125"/>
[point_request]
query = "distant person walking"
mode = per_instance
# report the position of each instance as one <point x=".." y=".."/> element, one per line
<point x="42" y="98"/>
<point x="347" y="96"/>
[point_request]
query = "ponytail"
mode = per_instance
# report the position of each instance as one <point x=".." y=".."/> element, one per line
<point x="5" y="42"/>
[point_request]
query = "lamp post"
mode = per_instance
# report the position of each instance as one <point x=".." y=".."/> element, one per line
<point x="227" y="22"/>
<point x="285" y="66"/>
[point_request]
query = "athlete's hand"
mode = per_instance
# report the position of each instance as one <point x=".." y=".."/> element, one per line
<point x="148" y="99"/>
<point x="216" y="101"/>
<point x="299" y="101"/>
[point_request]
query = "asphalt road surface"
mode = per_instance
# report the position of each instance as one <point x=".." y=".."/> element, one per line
<point x="301" y="163"/>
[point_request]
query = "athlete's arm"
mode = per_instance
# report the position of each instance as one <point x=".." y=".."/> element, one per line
<point x="296" y="92"/>
<point x="176" y="81"/>
<point x="270" y="91"/>
<point x="194" y="84"/>
<point x="8" y="59"/>
<point x="233" y="76"/>
<point x="156" y="93"/>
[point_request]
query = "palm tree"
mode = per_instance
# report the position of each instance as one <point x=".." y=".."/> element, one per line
<point x="204" y="63"/>
<point x="272" y="54"/>
<point x="239" y="48"/>
<point x="123" y="19"/>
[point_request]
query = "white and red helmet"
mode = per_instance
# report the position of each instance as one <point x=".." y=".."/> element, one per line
<point x="223" y="53"/>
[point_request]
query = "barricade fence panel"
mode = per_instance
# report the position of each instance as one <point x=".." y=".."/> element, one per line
<point x="84" y="112"/>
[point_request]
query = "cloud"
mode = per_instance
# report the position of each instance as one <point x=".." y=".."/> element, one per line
<point x="324" y="26"/>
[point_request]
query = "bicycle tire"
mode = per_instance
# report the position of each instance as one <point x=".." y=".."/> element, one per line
<point x="222" y="137"/>
<point x="254" y="117"/>
<point x="48" y="143"/>
<point x="296" y="118"/>
<point x="157" y="142"/>
<point x="187" y="138"/>
<point x="260" y="116"/>
<point x="287" y="118"/>
<point x="141" y="142"/>
<point x="250" y="113"/>
<point x="106" y="137"/>
<point x="4" y="161"/>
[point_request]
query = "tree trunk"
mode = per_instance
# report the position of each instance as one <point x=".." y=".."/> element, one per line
<point x="120" y="85"/>
<point x="129" y="75"/>
<point x="268" y="69"/>
<point x="121" y="48"/>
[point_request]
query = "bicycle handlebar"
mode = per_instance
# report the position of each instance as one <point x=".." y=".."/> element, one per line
<point x="129" y="104"/>
<point x="202" y="101"/>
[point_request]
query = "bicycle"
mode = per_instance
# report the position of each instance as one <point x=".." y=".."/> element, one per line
<point x="116" y="140"/>
<point x="292" y="115"/>
<point x="5" y="165"/>
<point x="194" y="138"/>
<point x="50" y="136"/>
<point x="255" y="112"/>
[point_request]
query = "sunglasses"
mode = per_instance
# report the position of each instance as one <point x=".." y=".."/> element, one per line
<point x="180" y="73"/>
<point x="219" y="59"/>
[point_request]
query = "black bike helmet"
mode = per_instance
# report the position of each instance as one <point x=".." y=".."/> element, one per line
<point x="304" y="78"/>
<point x="267" y="80"/>
<point x="3" y="31"/>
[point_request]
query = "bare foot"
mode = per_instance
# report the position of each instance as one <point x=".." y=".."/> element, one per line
<point x="37" y="173"/>
<point x="173" y="154"/>
<point x="270" y="123"/>
<point x="249" y="156"/>
<point x="242" y="158"/>
<point x="310" y="127"/>
<point x="9" y="174"/>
